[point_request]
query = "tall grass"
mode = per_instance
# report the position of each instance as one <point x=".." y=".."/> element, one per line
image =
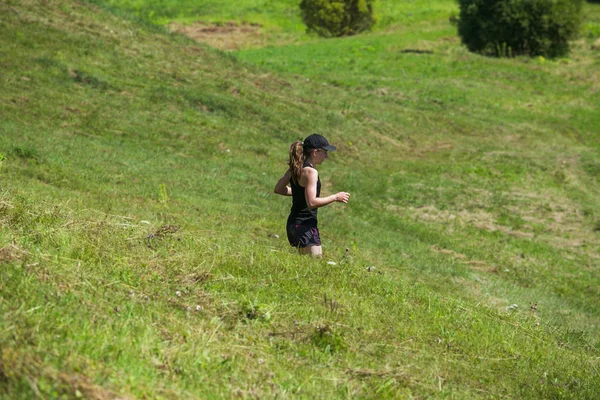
<point x="142" y="252"/>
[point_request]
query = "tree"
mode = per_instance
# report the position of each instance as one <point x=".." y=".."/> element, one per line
<point x="335" y="18"/>
<point x="519" y="27"/>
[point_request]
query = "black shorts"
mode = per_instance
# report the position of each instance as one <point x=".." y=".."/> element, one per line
<point x="303" y="235"/>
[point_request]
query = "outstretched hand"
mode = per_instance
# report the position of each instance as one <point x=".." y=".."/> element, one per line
<point x="342" y="197"/>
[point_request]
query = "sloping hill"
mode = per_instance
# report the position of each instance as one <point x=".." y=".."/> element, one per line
<point x="139" y="249"/>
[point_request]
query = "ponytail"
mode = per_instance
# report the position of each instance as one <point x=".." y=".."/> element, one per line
<point x="296" y="160"/>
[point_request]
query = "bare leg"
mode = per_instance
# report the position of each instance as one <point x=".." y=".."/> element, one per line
<point x="314" y="251"/>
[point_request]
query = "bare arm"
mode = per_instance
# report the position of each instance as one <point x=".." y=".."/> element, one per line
<point x="282" y="187"/>
<point x="312" y="200"/>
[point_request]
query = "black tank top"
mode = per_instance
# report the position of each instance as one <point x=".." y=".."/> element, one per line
<point x="300" y="211"/>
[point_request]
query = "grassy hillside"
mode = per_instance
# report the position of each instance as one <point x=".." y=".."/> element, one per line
<point x="142" y="252"/>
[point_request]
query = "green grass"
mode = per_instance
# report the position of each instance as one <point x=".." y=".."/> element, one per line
<point x="276" y="16"/>
<point x="138" y="255"/>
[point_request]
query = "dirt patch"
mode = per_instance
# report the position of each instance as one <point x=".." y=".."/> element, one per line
<point x="225" y="36"/>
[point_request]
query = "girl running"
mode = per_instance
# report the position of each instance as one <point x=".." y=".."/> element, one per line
<point x="301" y="181"/>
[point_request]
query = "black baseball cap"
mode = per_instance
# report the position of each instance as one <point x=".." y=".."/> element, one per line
<point x="316" y="141"/>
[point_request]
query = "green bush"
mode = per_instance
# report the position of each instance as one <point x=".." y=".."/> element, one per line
<point x="519" y="27"/>
<point x="335" y="18"/>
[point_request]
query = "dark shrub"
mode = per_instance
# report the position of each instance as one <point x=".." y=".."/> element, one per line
<point x="334" y="18"/>
<point x="519" y="27"/>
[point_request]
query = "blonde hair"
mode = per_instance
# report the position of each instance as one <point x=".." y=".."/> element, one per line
<point x="296" y="161"/>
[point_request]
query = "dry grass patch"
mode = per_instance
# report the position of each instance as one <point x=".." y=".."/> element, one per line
<point x="565" y="224"/>
<point x="475" y="265"/>
<point x="16" y="365"/>
<point x="10" y="253"/>
<point x="227" y="36"/>
<point x="545" y="216"/>
<point x="478" y="217"/>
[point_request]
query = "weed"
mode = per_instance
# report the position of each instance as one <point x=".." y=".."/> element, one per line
<point x="87" y="79"/>
<point x="250" y="311"/>
<point x="27" y="153"/>
<point x="163" y="231"/>
<point x="331" y="305"/>
<point x="162" y="194"/>
<point x="327" y="340"/>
